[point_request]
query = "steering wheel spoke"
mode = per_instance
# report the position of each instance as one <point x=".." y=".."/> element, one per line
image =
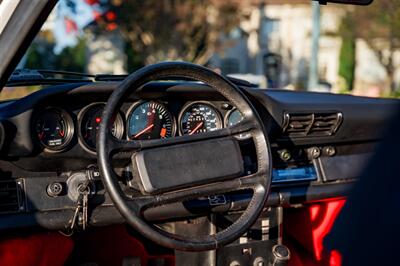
<point x="148" y="201"/>
<point x="191" y="193"/>
<point x="243" y="126"/>
<point x="120" y="145"/>
<point x="117" y="145"/>
<point x="252" y="180"/>
<point x="156" y="143"/>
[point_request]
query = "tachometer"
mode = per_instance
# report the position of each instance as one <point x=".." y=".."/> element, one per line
<point x="54" y="128"/>
<point x="199" y="117"/>
<point x="89" y="121"/>
<point x="150" y="120"/>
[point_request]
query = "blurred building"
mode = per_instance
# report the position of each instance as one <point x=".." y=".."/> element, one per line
<point x="106" y="53"/>
<point x="274" y="40"/>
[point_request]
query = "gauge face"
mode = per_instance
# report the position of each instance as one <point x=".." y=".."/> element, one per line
<point x="150" y="120"/>
<point x="199" y="118"/>
<point x="234" y="117"/>
<point x="90" y="123"/>
<point x="54" y="128"/>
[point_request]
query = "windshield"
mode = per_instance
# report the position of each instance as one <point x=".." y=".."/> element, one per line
<point x="278" y="44"/>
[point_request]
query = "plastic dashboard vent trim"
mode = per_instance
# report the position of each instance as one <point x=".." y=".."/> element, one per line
<point x="11" y="196"/>
<point x="300" y="125"/>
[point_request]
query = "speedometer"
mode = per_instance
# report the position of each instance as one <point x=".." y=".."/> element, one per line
<point x="199" y="117"/>
<point x="150" y="120"/>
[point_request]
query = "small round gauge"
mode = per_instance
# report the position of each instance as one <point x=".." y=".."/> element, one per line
<point x="54" y="128"/>
<point x="150" y="120"/>
<point x="89" y="121"/>
<point x="199" y="117"/>
<point x="232" y="118"/>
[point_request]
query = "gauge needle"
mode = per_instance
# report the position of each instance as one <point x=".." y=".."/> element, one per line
<point x="196" y="128"/>
<point x="143" y="131"/>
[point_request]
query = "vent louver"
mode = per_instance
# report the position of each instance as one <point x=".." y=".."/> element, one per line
<point x="10" y="196"/>
<point x="311" y="124"/>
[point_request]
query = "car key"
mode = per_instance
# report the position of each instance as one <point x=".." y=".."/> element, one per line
<point x="76" y="214"/>
<point x="85" y="199"/>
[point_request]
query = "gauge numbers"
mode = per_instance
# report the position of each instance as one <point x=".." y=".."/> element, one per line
<point x="90" y="119"/>
<point x="199" y="117"/>
<point x="54" y="128"/>
<point x="150" y="120"/>
<point x="232" y="118"/>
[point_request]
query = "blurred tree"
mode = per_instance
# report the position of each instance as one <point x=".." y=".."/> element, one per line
<point x="174" y="29"/>
<point x="41" y="55"/>
<point x="379" y="25"/>
<point x="347" y="56"/>
<point x="72" y="58"/>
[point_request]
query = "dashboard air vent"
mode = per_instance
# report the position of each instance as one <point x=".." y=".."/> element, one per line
<point x="10" y="196"/>
<point x="311" y="124"/>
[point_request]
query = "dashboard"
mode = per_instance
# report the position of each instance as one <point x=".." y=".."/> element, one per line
<point x="320" y="144"/>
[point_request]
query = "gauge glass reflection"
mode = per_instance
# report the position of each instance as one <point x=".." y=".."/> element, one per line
<point x="54" y="128"/>
<point x="234" y="117"/>
<point x="150" y="120"/>
<point x="90" y="124"/>
<point x="199" y="118"/>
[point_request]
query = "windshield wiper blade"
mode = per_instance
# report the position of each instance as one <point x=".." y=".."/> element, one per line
<point x="25" y="74"/>
<point x="58" y="73"/>
<point x="22" y="77"/>
<point x="109" y="77"/>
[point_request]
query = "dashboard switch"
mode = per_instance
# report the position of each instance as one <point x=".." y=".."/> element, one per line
<point x="329" y="150"/>
<point x="314" y="152"/>
<point x="285" y="155"/>
<point x="54" y="189"/>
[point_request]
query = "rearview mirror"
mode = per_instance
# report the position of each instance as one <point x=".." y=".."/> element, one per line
<point x="349" y="2"/>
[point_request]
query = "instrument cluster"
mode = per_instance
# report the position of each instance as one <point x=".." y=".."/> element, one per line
<point x="55" y="127"/>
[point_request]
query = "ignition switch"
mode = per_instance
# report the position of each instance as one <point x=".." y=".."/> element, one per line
<point x="75" y="181"/>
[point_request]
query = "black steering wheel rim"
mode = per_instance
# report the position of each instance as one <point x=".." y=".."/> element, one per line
<point x="132" y="209"/>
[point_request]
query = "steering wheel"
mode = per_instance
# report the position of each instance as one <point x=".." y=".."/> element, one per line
<point x="185" y="167"/>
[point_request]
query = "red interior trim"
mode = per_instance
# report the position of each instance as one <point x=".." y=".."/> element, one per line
<point x="38" y="249"/>
<point x="306" y="228"/>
